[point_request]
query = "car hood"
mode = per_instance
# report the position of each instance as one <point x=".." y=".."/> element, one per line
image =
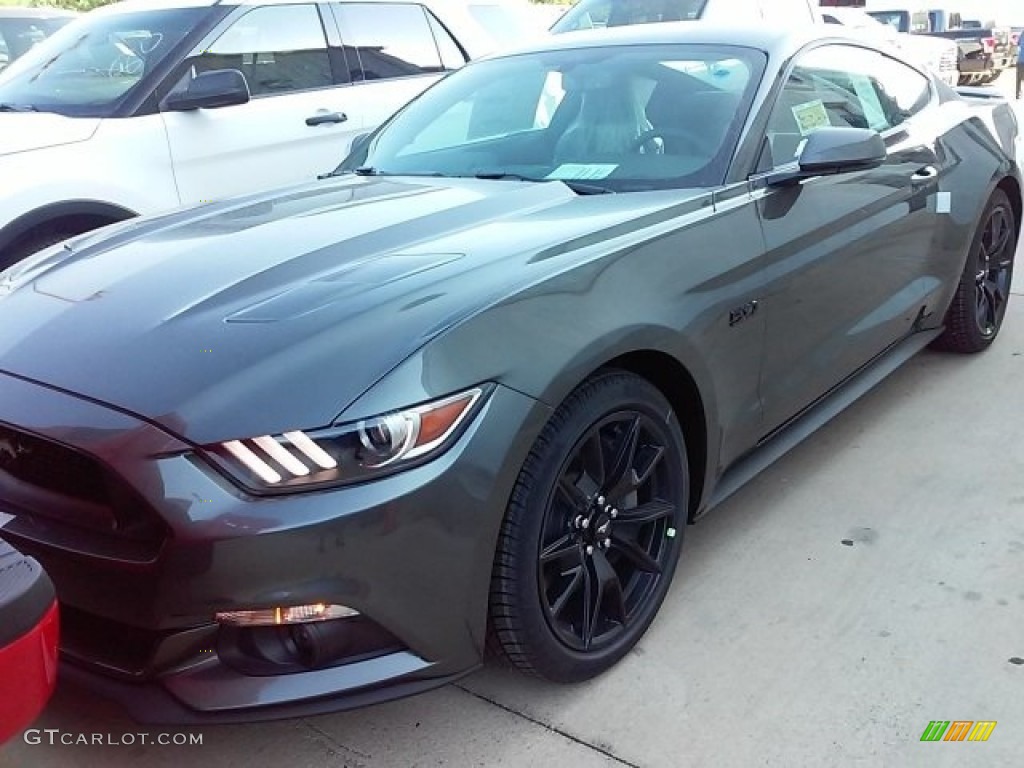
<point x="25" y="131"/>
<point x="274" y="312"/>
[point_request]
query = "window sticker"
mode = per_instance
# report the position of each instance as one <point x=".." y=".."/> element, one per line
<point x="580" y="171"/>
<point x="869" y="102"/>
<point x="810" y="116"/>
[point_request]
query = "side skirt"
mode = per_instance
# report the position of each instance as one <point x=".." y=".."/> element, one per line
<point x="777" y="444"/>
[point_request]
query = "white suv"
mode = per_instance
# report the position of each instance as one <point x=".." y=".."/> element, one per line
<point x="139" y="107"/>
<point x="588" y="14"/>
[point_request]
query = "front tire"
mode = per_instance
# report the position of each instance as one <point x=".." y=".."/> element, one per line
<point x="592" y="534"/>
<point x="979" y="305"/>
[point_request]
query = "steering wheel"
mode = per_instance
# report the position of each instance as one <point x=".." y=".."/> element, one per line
<point x="649" y="135"/>
<point x="692" y="140"/>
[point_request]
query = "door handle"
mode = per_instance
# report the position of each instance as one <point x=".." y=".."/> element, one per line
<point x="324" y="118"/>
<point x="927" y="173"/>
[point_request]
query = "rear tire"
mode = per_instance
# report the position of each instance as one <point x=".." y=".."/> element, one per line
<point x="979" y="305"/>
<point x="593" y="531"/>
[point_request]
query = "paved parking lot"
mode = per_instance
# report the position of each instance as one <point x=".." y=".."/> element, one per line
<point x="870" y="582"/>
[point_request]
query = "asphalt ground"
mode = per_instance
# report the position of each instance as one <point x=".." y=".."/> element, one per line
<point x="868" y="583"/>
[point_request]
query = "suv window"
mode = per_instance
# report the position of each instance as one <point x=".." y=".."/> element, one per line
<point x="841" y="86"/>
<point x="387" y="40"/>
<point x="279" y="49"/>
<point x="590" y="14"/>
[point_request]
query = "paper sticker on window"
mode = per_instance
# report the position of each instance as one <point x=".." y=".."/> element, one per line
<point x="869" y="102"/>
<point x="582" y="171"/>
<point x="810" y="116"/>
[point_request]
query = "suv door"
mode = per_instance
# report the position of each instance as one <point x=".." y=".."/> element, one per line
<point x="850" y="251"/>
<point x="296" y="125"/>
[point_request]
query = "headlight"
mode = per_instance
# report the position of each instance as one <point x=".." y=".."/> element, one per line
<point x="349" y="453"/>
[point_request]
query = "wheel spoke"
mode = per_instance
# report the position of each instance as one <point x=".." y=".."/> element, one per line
<point x="646" y="513"/>
<point x="572" y="493"/>
<point x="999" y="233"/>
<point x="982" y="309"/>
<point x="648" y="456"/>
<point x="602" y="596"/>
<point x="631" y="549"/>
<point x="559" y="550"/>
<point x="995" y="290"/>
<point x="570" y="590"/>
<point x="621" y="473"/>
<point x="592" y="464"/>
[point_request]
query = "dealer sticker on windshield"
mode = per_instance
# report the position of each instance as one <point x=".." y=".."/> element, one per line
<point x="582" y="171"/>
<point x="810" y="116"/>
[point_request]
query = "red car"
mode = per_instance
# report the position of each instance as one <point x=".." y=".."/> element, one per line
<point x="29" y="630"/>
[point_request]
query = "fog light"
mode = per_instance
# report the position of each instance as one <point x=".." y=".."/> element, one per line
<point x="296" y="614"/>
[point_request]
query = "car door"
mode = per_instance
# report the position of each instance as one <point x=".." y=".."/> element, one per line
<point x="847" y="252"/>
<point x="393" y="52"/>
<point x="297" y="124"/>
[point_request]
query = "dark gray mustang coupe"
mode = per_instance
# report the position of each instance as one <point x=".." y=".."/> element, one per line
<point x="308" y="450"/>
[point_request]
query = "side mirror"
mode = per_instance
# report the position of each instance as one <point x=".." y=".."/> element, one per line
<point x="209" y="90"/>
<point x="833" y="150"/>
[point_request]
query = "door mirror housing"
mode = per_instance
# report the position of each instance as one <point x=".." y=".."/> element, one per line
<point x="831" y="150"/>
<point x="209" y="90"/>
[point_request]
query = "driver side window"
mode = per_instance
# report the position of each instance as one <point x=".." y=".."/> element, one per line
<point x="831" y="85"/>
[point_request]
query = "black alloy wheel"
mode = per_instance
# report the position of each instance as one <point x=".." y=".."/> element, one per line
<point x="994" y="270"/>
<point x="979" y="305"/>
<point x="592" y="535"/>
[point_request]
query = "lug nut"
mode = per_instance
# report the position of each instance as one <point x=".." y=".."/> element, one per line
<point x="585" y="523"/>
<point x="614" y="513"/>
<point x="590" y="549"/>
<point x="600" y="500"/>
<point x="607" y="543"/>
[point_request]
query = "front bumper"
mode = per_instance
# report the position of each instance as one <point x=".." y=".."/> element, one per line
<point x="412" y="553"/>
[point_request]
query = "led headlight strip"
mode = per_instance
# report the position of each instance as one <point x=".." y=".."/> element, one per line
<point x="356" y="450"/>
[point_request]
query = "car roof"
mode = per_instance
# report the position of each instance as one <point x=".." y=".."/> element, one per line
<point x="774" y="39"/>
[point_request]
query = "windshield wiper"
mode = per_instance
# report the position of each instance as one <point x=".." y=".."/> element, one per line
<point x="497" y="175"/>
<point x="586" y="189"/>
<point x="17" y="108"/>
<point x="578" y="187"/>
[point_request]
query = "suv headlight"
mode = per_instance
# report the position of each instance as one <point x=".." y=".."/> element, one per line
<point x="350" y="453"/>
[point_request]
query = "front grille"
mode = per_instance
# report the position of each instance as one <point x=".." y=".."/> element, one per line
<point x="51" y="466"/>
<point x="44" y="479"/>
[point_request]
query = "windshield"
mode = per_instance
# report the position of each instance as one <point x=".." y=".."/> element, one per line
<point x="87" y="67"/>
<point x="592" y="14"/>
<point x="626" y="118"/>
